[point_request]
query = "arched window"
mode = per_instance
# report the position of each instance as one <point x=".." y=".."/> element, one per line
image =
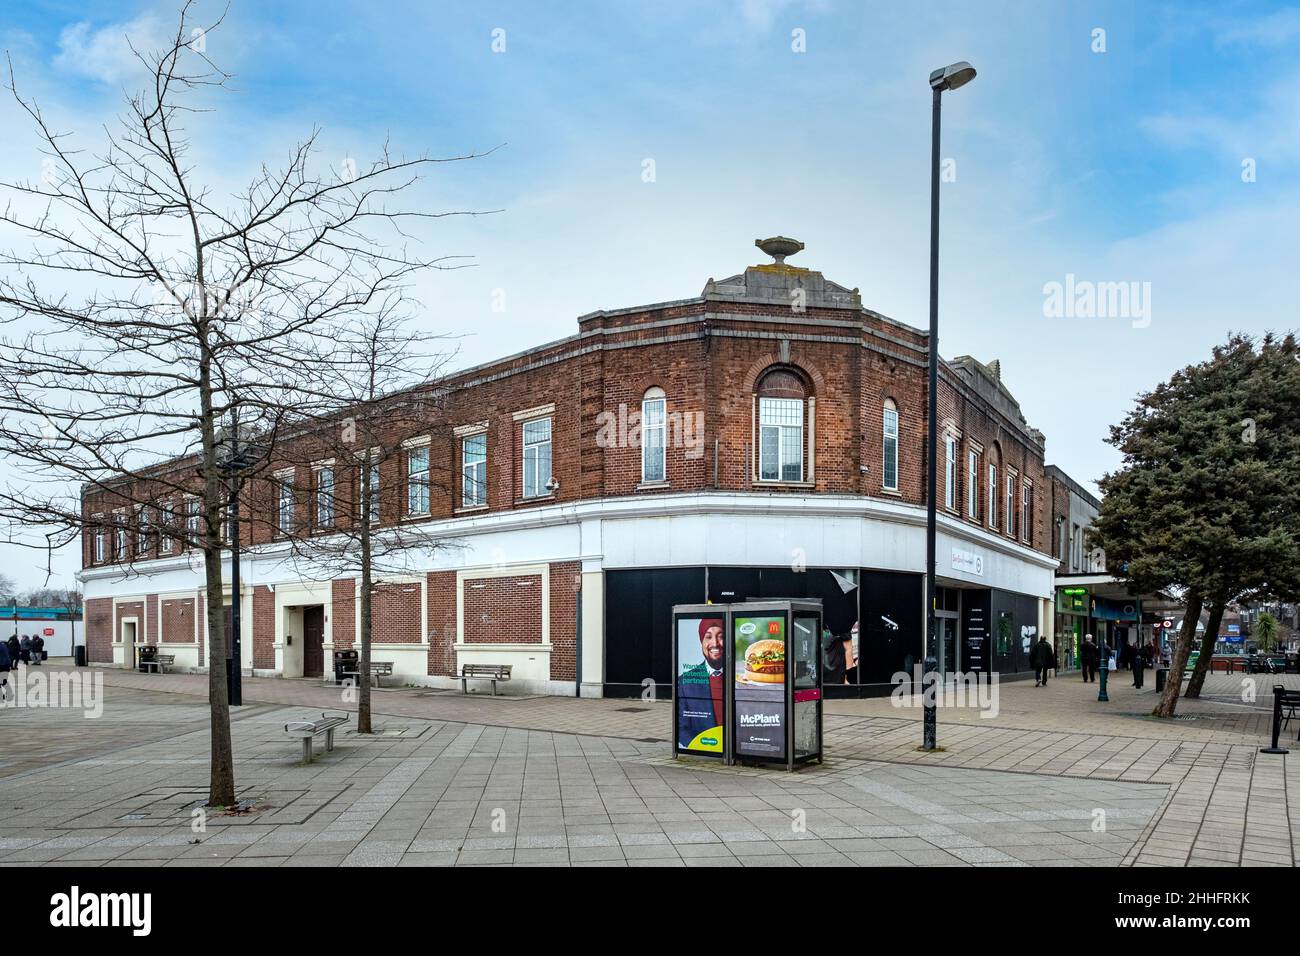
<point x="782" y="399"/>
<point x="654" y="407"/>
<point x="889" y="473"/>
<point x="950" y="472"/>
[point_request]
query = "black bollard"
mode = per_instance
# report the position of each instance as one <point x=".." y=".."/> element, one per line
<point x="1278" y="690"/>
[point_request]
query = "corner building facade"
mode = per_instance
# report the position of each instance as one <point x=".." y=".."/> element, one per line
<point x="765" y="438"/>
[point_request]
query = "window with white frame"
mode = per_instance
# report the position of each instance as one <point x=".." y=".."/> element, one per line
<point x="783" y="407"/>
<point x="1026" y="511"/>
<point x="417" y="480"/>
<point x="372" y="506"/>
<point x="654" y="427"/>
<point x="537" y="457"/>
<point x="192" y="514"/>
<point x="166" y="526"/>
<point x="973" y="484"/>
<point x="890" y="472"/>
<point x="993" y="496"/>
<point x="1011" y="508"/>
<point x="950" y="473"/>
<point x="119" y="536"/>
<point x="284" y="504"/>
<point x="141" y="531"/>
<point x="473" y="470"/>
<point x="323" y="476"/>
<point x="101" y="539"/>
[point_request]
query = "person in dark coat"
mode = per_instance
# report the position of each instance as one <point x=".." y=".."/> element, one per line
<point x="5" y="666"/>
<point x="38" y="649"/>
<point x="1042" y="658"/>
<point x="13" y="649"/>
<point x="1140" y="663"/>
<point x="1090" y="656"/>
<point x="25" y="650"/>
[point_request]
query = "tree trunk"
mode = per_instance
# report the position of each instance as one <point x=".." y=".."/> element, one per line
<point x="221" y="784"/>
<point x="1169" y="698"/>
<point x="363" y="678"/>
<point x="1207" y="649"/>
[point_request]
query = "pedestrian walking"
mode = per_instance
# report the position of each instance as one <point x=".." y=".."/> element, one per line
<point x="13" y="649"/>
<point x="1139" y="666"/>
<point x="1042" y="658"/>
<point x="25" y="650"/>
<point x="6" y="663"/>
<point x="1090" y="654"/>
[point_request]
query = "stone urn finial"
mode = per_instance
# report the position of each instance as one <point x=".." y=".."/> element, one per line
<point x="778" y="247"/>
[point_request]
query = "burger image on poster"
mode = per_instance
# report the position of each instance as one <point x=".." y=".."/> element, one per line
<point x="765" y="662"/>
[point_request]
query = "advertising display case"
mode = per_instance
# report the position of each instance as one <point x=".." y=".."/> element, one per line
<point x="748" y="681"/>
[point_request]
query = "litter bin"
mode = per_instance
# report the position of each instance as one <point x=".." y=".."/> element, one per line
<point x="148" y="655"/>
<point x="79" y="655"/>
<point x="1162" y="673"/>
<point x="344" y="661"/>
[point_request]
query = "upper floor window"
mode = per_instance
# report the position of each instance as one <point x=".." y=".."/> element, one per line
<point x="473" y="470"/>
<point x="166" y="525"/>
<point x="119" y="536"/>
<point x="973" y="484"/>
<point x="993" y="496"/>
<point x="779" y="441"/>
<point x="192" y="512"/>
<point x="950" y="473"/>
<point x="141" y="531"/>
<point x="1026" y="511"/>
<point x="654" y="424"/>
<point x="324" y="478"/>
<point x="537" y="457"/>
<point x="370" y="508"/>
<point x="284" y="502"/>
<point x="417" y="480"/>
<point x="890" y="470"/>
<point x="101" y="539"/>
<point x="1010" y="504"/>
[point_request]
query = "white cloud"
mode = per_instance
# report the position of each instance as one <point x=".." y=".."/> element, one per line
<point x="105" y="54"/>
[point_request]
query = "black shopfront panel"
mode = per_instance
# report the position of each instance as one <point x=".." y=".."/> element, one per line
<point x="638" y="621"/>
<point x="892" y="627"/>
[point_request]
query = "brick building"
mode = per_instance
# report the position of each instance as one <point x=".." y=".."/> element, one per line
<point x="764" y="438"/>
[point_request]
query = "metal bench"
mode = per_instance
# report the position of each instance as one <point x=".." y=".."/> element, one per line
<point x="492" y="672"/>
<point x="377" y="669"/>
<point x="159" y="664"/>
<point x="308" y="730"/>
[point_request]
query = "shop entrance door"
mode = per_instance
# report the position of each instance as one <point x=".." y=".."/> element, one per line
<point x="313" y="638"/>
<point x="949" y="655"/>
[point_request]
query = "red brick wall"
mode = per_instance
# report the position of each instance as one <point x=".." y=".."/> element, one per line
<point x="99" y="630"/>
<point x="566" y="582"/>
<point x="130" y="609"/>
<point x="503" y="610"/>
<point x="343" y="595"/>
<point x="151" y="618"/>
<point x="263" y="628"/>
<point x="703" y="365"/>
<point x="178" y="621"/>
<point x="442" y="623"/>
<point x="395" y="614"/>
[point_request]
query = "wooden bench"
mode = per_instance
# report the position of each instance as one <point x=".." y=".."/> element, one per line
<point x="159" y="664"/>
<point x="309" y="730"/>
<point x="492" y="672"/>
<point x="1225" y="664"/>
<point x="377" y="669"/>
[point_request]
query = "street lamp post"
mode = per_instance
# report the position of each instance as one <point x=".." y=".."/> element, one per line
<point x="233" y="464"/>
<point x="948" y="78"/>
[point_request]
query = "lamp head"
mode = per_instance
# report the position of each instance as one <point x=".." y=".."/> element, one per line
<point x="953" y="76"/>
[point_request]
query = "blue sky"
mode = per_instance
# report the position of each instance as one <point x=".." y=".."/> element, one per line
<point x="1123" y="165"/>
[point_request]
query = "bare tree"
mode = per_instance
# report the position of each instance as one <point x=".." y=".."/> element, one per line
<point x="376" y="379"/>
<point x="195" y="308"/>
